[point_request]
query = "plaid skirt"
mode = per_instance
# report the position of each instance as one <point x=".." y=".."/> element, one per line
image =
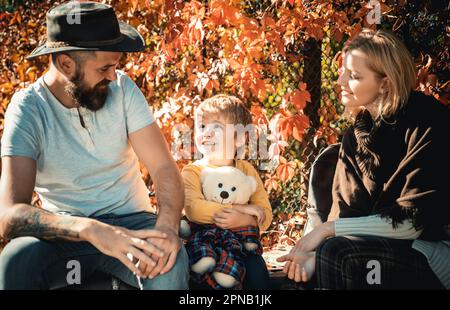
<point x="226" y="246"/>
<point x="369" y="262"/>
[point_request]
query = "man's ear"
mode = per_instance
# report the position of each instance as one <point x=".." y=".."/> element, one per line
<point x="65" y="64"/>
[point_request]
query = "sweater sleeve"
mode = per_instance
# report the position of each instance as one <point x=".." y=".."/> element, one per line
<point x="375" y="225"/>
<point x="260" y="197"/>
<point x="198" y="210"/>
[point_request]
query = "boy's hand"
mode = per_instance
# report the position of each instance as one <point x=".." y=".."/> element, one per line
<point x="253" y="210"/>
<point x="229" y="218"/>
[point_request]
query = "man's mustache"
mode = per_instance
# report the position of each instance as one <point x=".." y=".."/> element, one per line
<point x="103" y="83"/>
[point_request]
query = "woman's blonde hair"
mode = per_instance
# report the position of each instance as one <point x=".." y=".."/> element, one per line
<point x="388" y="57"/>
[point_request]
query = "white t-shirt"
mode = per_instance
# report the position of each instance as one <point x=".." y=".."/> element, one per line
<point x="81" y="171"/>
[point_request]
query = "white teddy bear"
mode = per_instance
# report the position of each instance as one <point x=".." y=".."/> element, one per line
<point x="225" y="185"/>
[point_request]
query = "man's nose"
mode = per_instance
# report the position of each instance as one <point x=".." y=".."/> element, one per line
<point x="112" y="75"/>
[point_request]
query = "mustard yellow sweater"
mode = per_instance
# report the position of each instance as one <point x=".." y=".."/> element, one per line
<point x="200" y="211"/>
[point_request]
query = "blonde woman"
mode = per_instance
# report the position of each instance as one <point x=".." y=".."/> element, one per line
<point x="389" y="216"/>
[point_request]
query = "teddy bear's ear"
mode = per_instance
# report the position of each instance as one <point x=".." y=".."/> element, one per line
<point x="205" y="173"/>
<point x="252" y="182"/>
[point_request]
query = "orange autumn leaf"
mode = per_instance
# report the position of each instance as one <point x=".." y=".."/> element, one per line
<point x="259" y="115"/>
<point x="285" y="170"/>
<point x="271" y="183"/>
<point x="300" y="97"/>
<point x="223" y="13"/>
<point x="294" y="125"/>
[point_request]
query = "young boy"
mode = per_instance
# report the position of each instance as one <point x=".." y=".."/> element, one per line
<point x="213" y="119"/>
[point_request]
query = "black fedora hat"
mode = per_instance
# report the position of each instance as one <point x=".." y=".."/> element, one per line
<point x="88" y="26"/>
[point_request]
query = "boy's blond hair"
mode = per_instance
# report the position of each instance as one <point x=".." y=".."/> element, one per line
<point x="230" y="108"/>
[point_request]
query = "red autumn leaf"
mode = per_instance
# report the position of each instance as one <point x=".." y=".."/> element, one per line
<point x="223" y="13"/>
<point x="294" y="125"/>
<point x="300" y="97"/>
<point x="196" y="32"/>
<point x="259" y="89"/>
<point x="258" y="115"/>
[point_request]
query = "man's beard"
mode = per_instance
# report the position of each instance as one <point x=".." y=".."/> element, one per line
<point x="90" y="98"/>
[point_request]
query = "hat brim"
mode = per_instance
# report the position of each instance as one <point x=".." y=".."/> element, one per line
<point x="132" y="42"/>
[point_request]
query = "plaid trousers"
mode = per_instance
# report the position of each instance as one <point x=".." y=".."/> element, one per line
<point x="226" y="246"/>
<point x="369" y="262"/>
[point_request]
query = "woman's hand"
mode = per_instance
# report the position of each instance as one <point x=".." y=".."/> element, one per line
<point x="300" y="266"/>
<point x="314" y="238"/>
<point x="300" y="262"/>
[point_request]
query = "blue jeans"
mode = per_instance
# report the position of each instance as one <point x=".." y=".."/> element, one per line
<point x="32" y="263"/>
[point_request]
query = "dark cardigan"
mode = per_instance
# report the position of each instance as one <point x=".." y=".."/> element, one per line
<point x="397" y="168"/>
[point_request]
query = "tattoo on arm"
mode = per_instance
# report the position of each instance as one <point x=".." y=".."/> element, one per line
<point x="27" y="220"/>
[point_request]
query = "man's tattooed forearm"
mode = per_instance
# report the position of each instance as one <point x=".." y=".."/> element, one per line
<point x="31" y="221"/>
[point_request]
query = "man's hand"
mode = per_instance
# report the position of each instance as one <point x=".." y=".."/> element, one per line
<point x="171" y="245"/>
<point x="229" y="218"/>
<point x="120" y="242"/>
<point x="253" y="210"/>
<point x="152" y="150"/>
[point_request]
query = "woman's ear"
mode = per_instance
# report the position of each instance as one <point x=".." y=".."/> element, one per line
<point x="384" y="86"/>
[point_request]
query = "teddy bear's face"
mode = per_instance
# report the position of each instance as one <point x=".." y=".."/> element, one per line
<point x="227" y="185"/>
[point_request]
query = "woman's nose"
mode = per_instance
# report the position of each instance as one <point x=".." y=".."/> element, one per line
<point x="341" y="80"/>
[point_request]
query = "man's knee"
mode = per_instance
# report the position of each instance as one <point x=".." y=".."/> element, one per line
<point x="22" y="262"/>
<point x="176" y="279"/>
